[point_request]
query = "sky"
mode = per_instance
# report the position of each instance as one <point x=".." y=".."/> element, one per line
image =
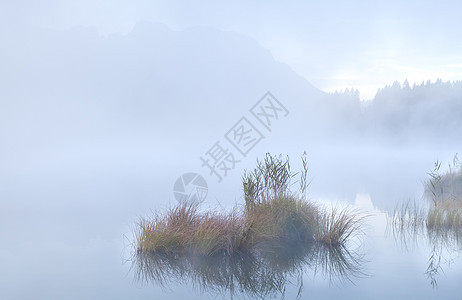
<point x="335" y="45"/>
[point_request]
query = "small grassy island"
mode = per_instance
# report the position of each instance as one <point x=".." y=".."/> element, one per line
<point x="272" y="213"/>
<point x="439" y="219"/>
<point x="443" y="190"/>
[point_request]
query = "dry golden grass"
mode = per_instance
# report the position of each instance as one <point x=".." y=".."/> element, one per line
<point x="445" y="193"/>
<point x="284" y="218"/>
<point x="445" y="214"/>
<point x="442" y="220"/>
<point x="271" y="213"/>
<point x="184" y="229"/>
<point x="336" y="226"/>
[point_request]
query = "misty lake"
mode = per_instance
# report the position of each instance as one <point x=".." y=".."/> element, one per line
<point x="109" y="108"/>
<point x="68" y="235"/>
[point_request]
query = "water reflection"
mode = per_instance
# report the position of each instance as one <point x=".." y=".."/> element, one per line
<point x="264" y="272"/>
<point x="446" y="247"/>
<point x="445" y="243"/>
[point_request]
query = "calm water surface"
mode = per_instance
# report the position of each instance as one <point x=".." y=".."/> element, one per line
<point x="66" y="233"/>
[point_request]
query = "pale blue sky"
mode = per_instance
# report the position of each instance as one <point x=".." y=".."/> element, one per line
<point x="333" y="44"/>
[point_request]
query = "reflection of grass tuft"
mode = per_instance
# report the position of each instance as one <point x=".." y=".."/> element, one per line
<point x="443" y="215"/>
<point x="272" y="212"/>
<point x="441" y="222"/>
<point x="409" y="216"/>
<point x="263" y="273"/>
<point x="444" y="192"/>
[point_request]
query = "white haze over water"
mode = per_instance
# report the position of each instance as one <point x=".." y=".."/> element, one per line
<point x="335" y="45"/>
<point x="104" y="104"/>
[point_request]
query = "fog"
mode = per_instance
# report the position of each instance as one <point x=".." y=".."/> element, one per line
<point x="95" y="129"/>
<point x="334" y="44"/>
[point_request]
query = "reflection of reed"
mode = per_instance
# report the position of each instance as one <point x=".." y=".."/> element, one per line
<point x="407" y="224"/>
<point x="264" y="272"/>
<point x="258" y="250"/>
<point x="446" y="245"/>
<point x="434" y="265"/>
<point x="338" y="263"/>
<point x="411" y="223"/>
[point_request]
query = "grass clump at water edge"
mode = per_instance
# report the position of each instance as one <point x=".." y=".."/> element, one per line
<point x="336" y="226"/>
<point x="184" y="229"/>
<point x="445" y="192"/>
<point x="444" y="208"/>
<point x="272" y="212"/>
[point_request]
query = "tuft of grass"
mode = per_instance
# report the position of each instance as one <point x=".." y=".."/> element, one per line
<point x="284" y="217"/>
<point x="215" y="233"/>
<point x="445" y="191"/>
<point x="272" y="212"/>
<point x="443" y="186"/>
<point x="269" y="180"/>
<point x="446" y="214"/>
<point x="336" y="226"/>
<point x="442" y="220"/>
<point x="184" y="229"/>
<point x="168" y="233"/>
